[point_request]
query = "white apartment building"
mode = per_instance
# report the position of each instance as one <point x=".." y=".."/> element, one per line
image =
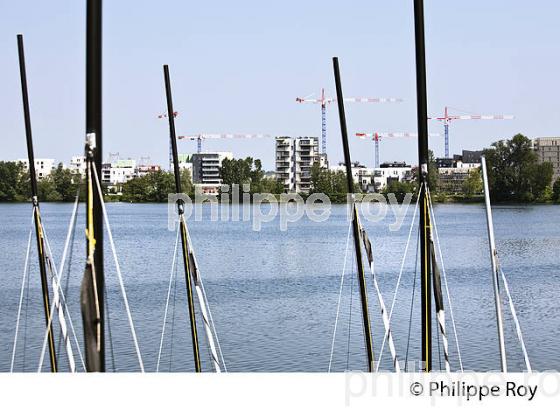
<point x="118" y="172"/>
<point x="78" y="165"/>
<point x="143" y="170"/>
<point x="43" y="166"/>
<point x="294" y="159"/>
<point x="361" y="175"/>
<point x="390" y="171"/>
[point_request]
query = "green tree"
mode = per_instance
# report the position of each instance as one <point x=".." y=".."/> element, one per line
<point x="236" y="171"/>
<point x="473" y="184"/>
<point x="514" y="173"/>
<point x="320" y="181"/>
<point x="556" y="190"/>
<point x="541" y="181"/>
<point x="400" y="189"/>
<point x="153" y="187"/>
<point x="187" y="185"/>
<point x="46" y="190"/>
<point x="271" y="185"/>
<point x="14" y="182"/>
<point x="244" y="171"/>
<point x="134" y="190"/>
<point x="331" y="183"/>
<point x="65" y="183"/>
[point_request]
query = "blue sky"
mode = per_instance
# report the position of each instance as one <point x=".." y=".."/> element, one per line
<point x="238" y="67"/>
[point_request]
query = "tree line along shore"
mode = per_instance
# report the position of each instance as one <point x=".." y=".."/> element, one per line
<point x="514" y="175"/>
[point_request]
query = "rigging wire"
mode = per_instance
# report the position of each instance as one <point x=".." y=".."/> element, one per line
<point x="171" y="277"/>
<point x="350" y="315"/>
<point x="44" y="348"/>
<point x="412" y="300"/>
<point x="26" y="321"/>
<point x="57" y="292"/>
<point x="516" y="321"/>
<point x="444" y="274"/>
<point x="108" y="316"/>
<point x="56" y="302"/>
<point x="61" y="273"/>
<point x="118" y="269"/>
<point x="339" y="296"/>
<point x="208" y="329"/>
<point x="437" y="289"/>
<point x="439" y="351"/>
<point x="172" y="336"/>
<point x="386" y="322"/>
<point x="213" y="326"/>
<point x="23" y="282"/>
<point x="61" y="319"/>
<point x="209" y="326"/>
<point x="400" y="273"/>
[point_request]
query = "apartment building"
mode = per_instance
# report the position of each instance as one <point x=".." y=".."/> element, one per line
<point x="78" y="165"/>
<point x="389" y="172"/>
<point x="143" y="170"/>
<point x="206" y="169"/>
<point x="548" y="150"/>
<point x="294" y="159"/>
<point x="43" y="166"/>
<point x="361" y="175"/>
<point x="452" y="173"/>
<point x="118" y="172"/>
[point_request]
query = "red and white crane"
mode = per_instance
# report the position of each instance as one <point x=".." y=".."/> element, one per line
<point x="446" y="119"/>
<point x="161" y="116"/>
<point x="199" y="137"/>
<point x="377" y="136"/>
<point x="324" y="101"/>
<point x="164" y="115"/>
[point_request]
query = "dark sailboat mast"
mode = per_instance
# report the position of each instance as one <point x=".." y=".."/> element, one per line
<point x="187" y="262"/>
<point x="41" y="251"/>
<point x="355" y="221"/>
<point x="92" y="292"/>
<point x="422" y="116"/>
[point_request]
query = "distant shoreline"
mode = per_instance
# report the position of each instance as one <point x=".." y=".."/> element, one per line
<point x="436" y="199"/>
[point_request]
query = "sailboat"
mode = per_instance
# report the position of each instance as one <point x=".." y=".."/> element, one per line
<point x="432" y="277"/>
<point x="93" y="283"/>
<point x="499" y="278"/>
<point x="193" y="279"/>
<point x="361" y="239"/>
<point x="47" y="269"/>
<point x="92" y="292"/>
<point x="429" y="269"/>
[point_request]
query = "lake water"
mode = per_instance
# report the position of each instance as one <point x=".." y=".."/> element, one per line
<point x="274" y="294"/>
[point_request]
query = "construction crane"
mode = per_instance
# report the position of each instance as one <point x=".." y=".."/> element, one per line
<point x="113" y="157"/>
<point x="199" y="137"/>
<point x="324" y="101"/>
<point x="446" y="119"/>
<point x="161" y="116"/>
<point x="164" y="115"/>
<point x="377" y="136"/>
